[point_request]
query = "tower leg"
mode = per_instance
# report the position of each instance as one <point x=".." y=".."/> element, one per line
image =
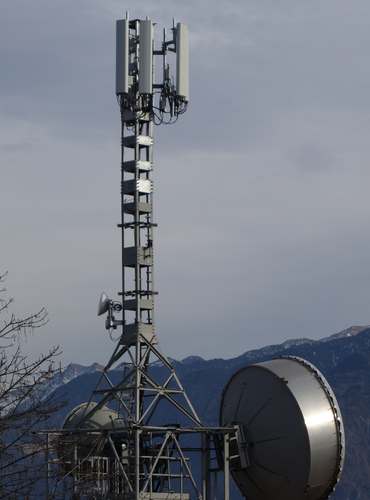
<point x="227" y="466"/>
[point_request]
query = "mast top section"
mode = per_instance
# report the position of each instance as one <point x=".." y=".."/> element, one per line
<point x="146" y="88"/>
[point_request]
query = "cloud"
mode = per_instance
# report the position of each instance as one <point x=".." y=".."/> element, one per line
<point x="261" y="194"/>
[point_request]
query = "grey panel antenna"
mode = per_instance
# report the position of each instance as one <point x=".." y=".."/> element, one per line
<point x="182" y="61"/>
<point x="146" y="57"/>
<point x="122" y="56"/>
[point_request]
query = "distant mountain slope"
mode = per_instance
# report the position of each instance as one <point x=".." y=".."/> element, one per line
<point x="72" y="371"/>
<point x="344" y="359"/>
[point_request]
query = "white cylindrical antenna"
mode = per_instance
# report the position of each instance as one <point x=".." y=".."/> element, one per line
<point x="122" y="30"/>
<point x="182" y="61"/>
<point x="146" y="57"/>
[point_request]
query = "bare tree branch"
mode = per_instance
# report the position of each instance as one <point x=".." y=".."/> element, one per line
<point x="24" y="404"/>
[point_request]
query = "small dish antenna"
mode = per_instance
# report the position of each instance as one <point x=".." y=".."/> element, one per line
<point x="103" y="305"/>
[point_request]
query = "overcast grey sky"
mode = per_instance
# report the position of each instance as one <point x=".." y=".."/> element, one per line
<point x="262" y="189"/>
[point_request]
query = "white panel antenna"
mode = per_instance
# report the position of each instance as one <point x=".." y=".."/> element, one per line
<point x="122" y="56"/>
<point x="182" y="61"/>
<point x="146" y="57"/>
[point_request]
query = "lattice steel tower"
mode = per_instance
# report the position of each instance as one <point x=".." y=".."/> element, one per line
<point x="144" y="457"/>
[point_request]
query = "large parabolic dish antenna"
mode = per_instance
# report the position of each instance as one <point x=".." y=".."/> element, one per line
<point x="291" y="436"/>
<point x="77" y="445"/>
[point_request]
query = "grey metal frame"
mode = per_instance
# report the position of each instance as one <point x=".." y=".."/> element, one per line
<point x="115" y="480"/>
